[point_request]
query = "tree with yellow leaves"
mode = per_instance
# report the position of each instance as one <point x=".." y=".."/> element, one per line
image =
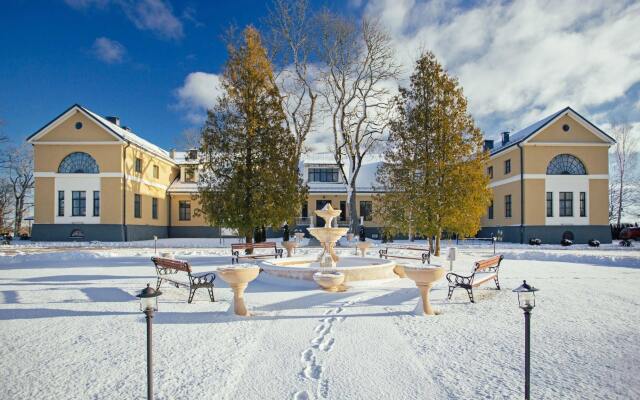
<point x="249" y="168"/>
<point x="432" y="178"/>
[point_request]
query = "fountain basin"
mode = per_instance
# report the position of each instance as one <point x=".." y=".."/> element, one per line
<point x="424" y="277"/>
<point x="238" y="278"/>
<point x="353" y="268"/>
<point x="329" y="281"/>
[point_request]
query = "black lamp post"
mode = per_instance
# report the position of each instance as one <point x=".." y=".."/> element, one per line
<point x="527" y="301"/>
<point x="148" y="304"/>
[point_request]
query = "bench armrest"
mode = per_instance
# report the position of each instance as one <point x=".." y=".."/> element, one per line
<point x="383" y="253"/>
<point x="278" y="252"/>
<point x="202" y="278"/>
<point x="457" y="280"/>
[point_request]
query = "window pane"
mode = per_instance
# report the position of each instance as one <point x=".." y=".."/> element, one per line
<point x="329" y="175"/>
<point x="566" y="164"/>
<point x="61" y="203"/>
<point x="96" y="203"/>
<point x="184" y="211"/>
<point x="583" y="204"/>
<point x="78" y="203"/>
<point x="137" y="206"/>
<point x="491" y="210"/>
<point x="365" y="210"/>
<point x="78" y="163"/>
<point x="566" y="204"/>
<point x="138" y="165"/>
<point x="154" y="208"/>
<point x="507" y="206"/>
<point x="549" y="204"/>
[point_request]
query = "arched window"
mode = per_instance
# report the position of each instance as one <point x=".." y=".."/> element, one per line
<point x="78" y="163"/>
<point x="566" y="164"/>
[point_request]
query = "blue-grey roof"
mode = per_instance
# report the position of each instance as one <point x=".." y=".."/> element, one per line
<point x="523" y="134"/>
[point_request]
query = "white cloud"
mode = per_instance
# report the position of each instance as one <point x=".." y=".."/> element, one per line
<point x="199" y="92"/>
<point x="521" y="60"/>
<point x="109" y="51"/>
<point x="153" y="15"/>
<point x="150" y="15"/>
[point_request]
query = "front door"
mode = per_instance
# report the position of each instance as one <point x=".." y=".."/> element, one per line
<point x="319" y="204"/>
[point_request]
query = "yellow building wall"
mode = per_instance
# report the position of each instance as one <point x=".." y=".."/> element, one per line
<point x="498" y="161"/>
<point x="594" y="158"/>
<point x="535" y="210"/>
<point x="47" y="158"/>
<point x="44" y="202"/>
<point x="598" y="202"/>
<point x="90" y="131"/>
<point x="499" y="192"/>
<point x="110" y="200"/>
<point x="197" y="219"/>
<point x="576" y="134"/>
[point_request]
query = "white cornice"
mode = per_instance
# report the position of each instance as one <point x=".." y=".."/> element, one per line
<point x="80" y="143"/>
<point x="516" y="178"/>
<point x="100" y="175"/>
<point x="572" y="144"/>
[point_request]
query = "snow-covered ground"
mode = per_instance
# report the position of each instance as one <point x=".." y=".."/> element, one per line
<point x="71" y="329"/>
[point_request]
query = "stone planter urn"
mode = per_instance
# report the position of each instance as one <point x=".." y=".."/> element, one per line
<point x="238" y="277"/>
<point x="350" y="237"/>
<point x="363" y="247"/>
<point x="290" y="246"/>
<point x="329" y="281"/>
<point x="399" y="270"/>
<point x="425" y="278"/>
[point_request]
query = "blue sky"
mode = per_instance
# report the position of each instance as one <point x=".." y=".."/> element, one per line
<point x="151" y="61"/>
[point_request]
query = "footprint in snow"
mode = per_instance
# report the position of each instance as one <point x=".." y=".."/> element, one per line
<point x="327" y="346"/>
<point x="307" y="355"/>
<point x="312" y="371"/>
<point x="303" y="395"/>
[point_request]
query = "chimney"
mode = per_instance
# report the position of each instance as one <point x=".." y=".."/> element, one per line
<point x="126" y="128"/>
<point x="172" y="153"/>
<point x="488" y="144"/>
<point x="505" y="138"/>
<point x="114" y="120"/>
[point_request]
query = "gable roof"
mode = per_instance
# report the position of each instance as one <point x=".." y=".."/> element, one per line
<point x="120" y="133"/>
<point x="528" y="132"/>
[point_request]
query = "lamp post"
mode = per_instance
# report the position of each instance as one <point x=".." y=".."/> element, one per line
<point x="155" y="244"/>
<point x="148" y="304"/>
<point x="527" y="301"/>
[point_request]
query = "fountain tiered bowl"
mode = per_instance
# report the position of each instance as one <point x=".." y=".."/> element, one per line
<point x="353" y="268"/>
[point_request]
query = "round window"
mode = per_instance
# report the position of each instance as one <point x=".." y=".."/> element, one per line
<point x="78" y="125"/>
<point x="566" y="128"/>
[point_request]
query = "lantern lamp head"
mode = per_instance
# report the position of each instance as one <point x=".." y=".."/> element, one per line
<point x="149" y="298"/>
<point x="526" y="296"/>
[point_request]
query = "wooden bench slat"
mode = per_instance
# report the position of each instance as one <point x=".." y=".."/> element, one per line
<point x="483" y="271"/>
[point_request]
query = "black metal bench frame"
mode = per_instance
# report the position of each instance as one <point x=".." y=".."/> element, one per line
<point x="237" y="247"/>
<point x="167" y="267"/>
<point x="467" y="282"/>
<point x="425" y="257"/>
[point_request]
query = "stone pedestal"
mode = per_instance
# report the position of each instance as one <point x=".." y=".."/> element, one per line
<point x="363" y="247"/>
<point x="425" y="278"/>
<point x="290" y="246"/>
<point x="238" y="278"/>
<point x="299" y="236"/>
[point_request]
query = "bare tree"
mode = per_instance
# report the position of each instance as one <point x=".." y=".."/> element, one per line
<point x="19" y="169"/>
<point x="291" y="45"/>
<point x="358" y="67"/>
<point x="5" y="204"/>
<point x="624" y="153"/>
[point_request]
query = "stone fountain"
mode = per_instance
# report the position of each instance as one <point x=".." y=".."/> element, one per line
<point x="328" y="270"/>
<point x="328" y="236"/>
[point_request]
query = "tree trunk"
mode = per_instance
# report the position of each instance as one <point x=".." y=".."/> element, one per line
<point x="353" y="214"/>
<point x="620" y="200"/>
<point x="437" y="253"/>
<point x="430" y="240"/>
<point x="18" y="216"/>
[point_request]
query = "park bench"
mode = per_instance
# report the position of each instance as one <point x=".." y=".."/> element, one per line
<point x="237" y="247"/>
<point x="425" y="253"/>
<point x="180" y="274"/>
<point x="483" y="271"/>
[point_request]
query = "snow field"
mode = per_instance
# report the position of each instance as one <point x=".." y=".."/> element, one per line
<point x="71" y="329"/>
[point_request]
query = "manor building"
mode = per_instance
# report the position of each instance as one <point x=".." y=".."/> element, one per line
<point x="97" y="180"/>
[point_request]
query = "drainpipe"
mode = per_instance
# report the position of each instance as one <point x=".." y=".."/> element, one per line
<point x="124" y="192"/>
<point x="521" y="193"/>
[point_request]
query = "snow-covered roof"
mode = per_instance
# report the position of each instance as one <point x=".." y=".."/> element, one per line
<point x="182" y="157"/>
<point x="182" y="187"/>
